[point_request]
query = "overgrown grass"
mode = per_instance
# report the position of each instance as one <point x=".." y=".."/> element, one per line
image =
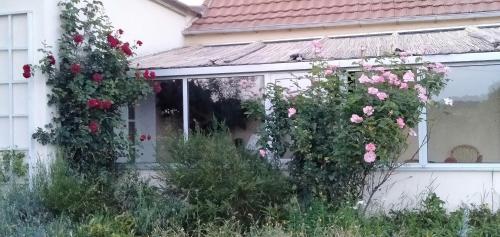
<point x="242" y="194"/>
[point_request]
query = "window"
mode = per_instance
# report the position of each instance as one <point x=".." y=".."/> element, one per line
<point x="14" y="88"/>
<point x="468" y="131"/>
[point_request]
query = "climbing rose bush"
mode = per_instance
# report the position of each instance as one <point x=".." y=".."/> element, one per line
<point x="90" y="83"/>
<point x="346" y="124"/>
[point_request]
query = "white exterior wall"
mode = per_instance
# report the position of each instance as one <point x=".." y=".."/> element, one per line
<point x="457" y="188"/>
<point x="158" y="27"/>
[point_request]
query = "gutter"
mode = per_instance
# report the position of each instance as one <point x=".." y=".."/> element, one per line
<point x="178" y="7"/>
<point x="360" y="23"/>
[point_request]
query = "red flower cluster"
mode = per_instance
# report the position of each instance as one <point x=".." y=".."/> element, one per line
<point x="120" y="31"/>
<point x="143" y="137"/>
<point x="94" y="126"/>
<point x="51" y="59"/>
<point x="126" y="49"/>
<point x="113" y="42"/>
<point x="27" y="71"/>
<point x="101" y="104"/>
<point x="157" y="87"/>
<point x="149" y="75"/>
<point x="139" y="42"/>
<point x="78" y="38"/>
<point x="75" y="68"/>
<point x="97" y="77"/>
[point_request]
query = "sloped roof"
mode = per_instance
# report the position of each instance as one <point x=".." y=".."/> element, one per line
<point x="252" y="15"/>
<point x="435" y="42"/>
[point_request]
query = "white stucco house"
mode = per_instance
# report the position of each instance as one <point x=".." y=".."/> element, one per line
<point x="240" y="46"/>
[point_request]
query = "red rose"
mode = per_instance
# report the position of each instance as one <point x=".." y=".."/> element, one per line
<point x="51" y="59"/>
<point x="106" y="104"/>
<point x="112" y="41"/>
<point x="139" y="42"/>
<point x="27" y="75"/>
<point x="94" y="127"/>
<point x="97" y="77"/>
<point x="93" y="103"/>
<point x="78" y="38"/>
<point x="146" y="74"/>
<point x="142" y="137"/>
<point x="120" y="31"/>
<point x="126" y="49"/>
<point x="157" y="87"/>
<point x="76" y="68"/>
<point x="27" y="68"/>
<point x="152" y="75"/>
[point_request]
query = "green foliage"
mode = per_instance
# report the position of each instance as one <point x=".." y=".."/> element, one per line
<point x="12" y="165"/>
<point x="65" y="191"/>
<point x="330" y="155"/>
<point x="122" y="225"/>
<point x="90" y="134"/>
<point x="221" y="181"/>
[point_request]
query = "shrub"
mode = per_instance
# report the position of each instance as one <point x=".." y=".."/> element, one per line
<point x="65" y="191"/>
<point x="150" y="208"/>
<point x="346" y="125"/>
<point x="222" y="181"/>
<point x="108" y="226"/>
<point x="12" y="165"/>
<point x="90" y="85"/>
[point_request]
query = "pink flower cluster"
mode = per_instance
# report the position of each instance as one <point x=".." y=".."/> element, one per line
<point x="370" y="155"/>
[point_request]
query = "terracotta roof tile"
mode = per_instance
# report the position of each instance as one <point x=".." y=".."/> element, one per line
<point x="227" y="15"/>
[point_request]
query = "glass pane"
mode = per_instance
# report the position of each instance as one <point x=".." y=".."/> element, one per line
<point x="223" y="99"/>
<point x="4" y="100"/>
<point x="468" y="131"/>
<point x="5" y="137"/>
<point x="168" y="115"/>
<point x="19" y="58"/>
<point x="20" y="31"/>
<point x="410" y="155"/>
<point x="293" y="85"/>
<point x="4" y="32"/>
<point x="4" y="66"/>
<point x="20" y="97"/>
<point x="21" y="133"/>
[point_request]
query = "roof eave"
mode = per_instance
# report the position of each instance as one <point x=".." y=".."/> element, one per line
<point x="363" y="22"/>
<point x="179" y="7"/>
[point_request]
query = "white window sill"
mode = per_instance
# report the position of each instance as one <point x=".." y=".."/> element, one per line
<point x="451" y="167"/>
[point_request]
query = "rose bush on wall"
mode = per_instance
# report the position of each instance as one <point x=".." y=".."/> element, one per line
<point x="90" y="82"/>
<point x="348" y="124"/>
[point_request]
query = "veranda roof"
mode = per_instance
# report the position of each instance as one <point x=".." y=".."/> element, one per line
<point x="431" y="42"/>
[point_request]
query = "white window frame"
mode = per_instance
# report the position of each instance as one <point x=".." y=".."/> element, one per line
<point x="11" y="72"/>
<point x="270" y="70"/>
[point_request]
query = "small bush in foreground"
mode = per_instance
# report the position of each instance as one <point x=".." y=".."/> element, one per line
<point x="222" y="181"/>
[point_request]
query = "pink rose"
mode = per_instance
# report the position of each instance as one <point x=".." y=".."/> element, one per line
<point x="380" y="69"/>
<point x="367" y="66"/>
<point x="401" y="122"/>
<point x="262" y="153"/>
<point x="328" y="72"/>
<point x="408" y="76"/>
<point x="423" y="98"/>
<point x="378" y="79"/>
<point x="370" y="157"/>
<point x="356" y="118"/>
<point x="372" y="90"/>
<point x="403" y="86"/>
<point x="364" y="79"/>
<point x="382" y="95"/>
<point x="291" y="112"/>
<point x="368" y="110"/>
<point x="370" y="147"/>
<point x="420" y="89"/>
